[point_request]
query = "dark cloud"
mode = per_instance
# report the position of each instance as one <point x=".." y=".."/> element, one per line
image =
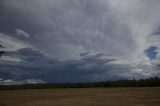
<point x="1" y="51"/>
<point x="89" y="68"/>
<point x="78" y="40"/>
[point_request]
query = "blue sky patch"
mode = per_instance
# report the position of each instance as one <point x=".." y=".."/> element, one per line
<point x="151" y="52"/>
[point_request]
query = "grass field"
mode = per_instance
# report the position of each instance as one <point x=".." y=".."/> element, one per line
<point x="82" y="97"/>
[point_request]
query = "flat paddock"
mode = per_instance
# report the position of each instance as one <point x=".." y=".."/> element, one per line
<point x="147" y="96"/>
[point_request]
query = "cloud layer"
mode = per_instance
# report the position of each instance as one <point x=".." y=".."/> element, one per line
<point x="85" y="39"/>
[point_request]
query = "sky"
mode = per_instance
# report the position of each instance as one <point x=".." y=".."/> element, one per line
<point x="57" y="41"/>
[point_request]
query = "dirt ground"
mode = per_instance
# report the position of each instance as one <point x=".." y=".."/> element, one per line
<point x="82" y="97"/>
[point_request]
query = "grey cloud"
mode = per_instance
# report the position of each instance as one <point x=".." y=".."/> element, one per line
<point x="79" y="25"/>
<point x="90" y="39"/>
<point x="10" y="43"/>
<point x="87" y="69"/>
<point x="22" y="33"/>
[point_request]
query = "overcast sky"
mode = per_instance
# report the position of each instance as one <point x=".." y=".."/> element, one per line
<point x="78" y="40"/>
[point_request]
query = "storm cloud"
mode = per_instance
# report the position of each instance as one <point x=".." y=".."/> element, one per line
<point x="79" y="40"/>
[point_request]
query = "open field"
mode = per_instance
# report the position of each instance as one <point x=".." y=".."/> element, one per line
<point x="82" y="97"/>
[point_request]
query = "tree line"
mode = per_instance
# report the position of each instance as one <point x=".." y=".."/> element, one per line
<point x="150" y="82"/>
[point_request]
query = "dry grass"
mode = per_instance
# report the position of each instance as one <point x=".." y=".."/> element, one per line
<point x="82" y="97"/>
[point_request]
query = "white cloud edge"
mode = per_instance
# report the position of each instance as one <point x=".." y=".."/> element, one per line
<point x="20" y="82"/>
